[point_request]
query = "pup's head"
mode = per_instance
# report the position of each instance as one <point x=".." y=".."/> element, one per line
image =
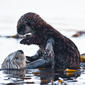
<point x="15" y="60"/>
<point x="19" y="59"/>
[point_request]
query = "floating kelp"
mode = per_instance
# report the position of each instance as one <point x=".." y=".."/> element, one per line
<point x="16" y="36"/>
<point x="83" y="58"/>
<point x="78" y="34"/>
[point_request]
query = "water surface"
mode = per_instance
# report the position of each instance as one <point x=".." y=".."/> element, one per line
<point x="41" y="76"/>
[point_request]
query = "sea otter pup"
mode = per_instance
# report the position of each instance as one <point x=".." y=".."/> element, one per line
<point x="55" y="49"/>
<point x="15" y="60"/>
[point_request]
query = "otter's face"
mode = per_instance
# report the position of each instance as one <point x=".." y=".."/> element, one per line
<point x="30" y="23"/>
<point x="30" y="36"/>
<point x="24" y="29"/>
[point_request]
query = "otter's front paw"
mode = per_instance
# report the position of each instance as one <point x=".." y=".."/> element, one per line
<point x="27" y="40"/>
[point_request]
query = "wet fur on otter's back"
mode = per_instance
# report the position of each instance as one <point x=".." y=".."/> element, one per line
<point x="66" y="52"/>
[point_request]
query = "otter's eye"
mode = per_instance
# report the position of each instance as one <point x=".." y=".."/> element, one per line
<point x="21" y="29"/>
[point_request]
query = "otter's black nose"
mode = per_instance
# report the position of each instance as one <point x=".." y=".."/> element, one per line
<point x="24" y="41"/>
<point x="20" y="51"/>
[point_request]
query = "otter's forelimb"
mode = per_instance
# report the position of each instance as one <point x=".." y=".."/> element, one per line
<point x="47" y="59"/>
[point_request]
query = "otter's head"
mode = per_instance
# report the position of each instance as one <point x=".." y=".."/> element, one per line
<point x="31" y="23"/>
<point x="28" y="23"/>
<point x="15" y="60"/>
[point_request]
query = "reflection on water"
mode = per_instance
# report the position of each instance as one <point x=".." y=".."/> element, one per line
<point x="40" y="76"/>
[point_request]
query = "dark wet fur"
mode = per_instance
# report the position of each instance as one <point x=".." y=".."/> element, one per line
<point x="66" y="52"/>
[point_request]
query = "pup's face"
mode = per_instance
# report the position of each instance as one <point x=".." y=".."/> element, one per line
<point x="19" y="59"/>
<point x="19" y="55"/>
<point x="15" y="60"/>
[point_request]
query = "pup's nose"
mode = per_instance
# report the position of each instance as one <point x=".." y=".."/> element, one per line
<point x="20" y="51"/>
